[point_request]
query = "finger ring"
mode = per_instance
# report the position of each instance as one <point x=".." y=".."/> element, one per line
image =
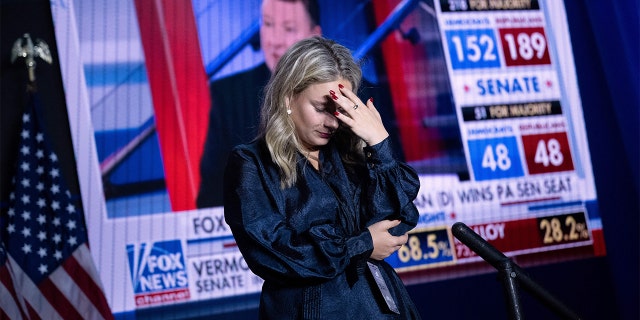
<point x="355" y="107"/>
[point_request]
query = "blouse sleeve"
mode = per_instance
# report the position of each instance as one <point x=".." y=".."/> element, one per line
<point x="392" y="186"/>
<point x="272" y="249"/>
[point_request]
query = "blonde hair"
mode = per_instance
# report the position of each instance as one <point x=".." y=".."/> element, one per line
<point x="309" y="61"/>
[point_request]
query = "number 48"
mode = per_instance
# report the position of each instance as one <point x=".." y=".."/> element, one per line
<point x="548" y="153"/>
<point x="498" y="160"/>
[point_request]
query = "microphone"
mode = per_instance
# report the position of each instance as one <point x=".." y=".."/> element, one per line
<point x="478" y="245"/>
<point x="511" y="273"/>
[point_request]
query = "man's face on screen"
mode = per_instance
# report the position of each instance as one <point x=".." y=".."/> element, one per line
<point x="283" y="24"/>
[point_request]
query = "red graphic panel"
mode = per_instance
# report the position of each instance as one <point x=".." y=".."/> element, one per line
<point x="524" y="46"/>
<point x="548" y="152"/>
<point x="505" y="236"/>
<point x="410" y="87"/>
<point x="533" y="233"/>
<point x="180" y="93"/>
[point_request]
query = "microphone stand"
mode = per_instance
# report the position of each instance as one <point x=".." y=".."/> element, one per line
<point x="510" y="274"/>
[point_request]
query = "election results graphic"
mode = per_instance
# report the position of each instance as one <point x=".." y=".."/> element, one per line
<point x="158" y="272"/>
<point x="483" y="96"/>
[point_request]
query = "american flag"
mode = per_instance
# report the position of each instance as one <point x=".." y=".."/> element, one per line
<point x="46" y="268"/>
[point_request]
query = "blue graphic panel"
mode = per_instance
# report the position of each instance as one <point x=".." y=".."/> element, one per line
<point x="473" y="49"/>
<point x="495" y="158"/>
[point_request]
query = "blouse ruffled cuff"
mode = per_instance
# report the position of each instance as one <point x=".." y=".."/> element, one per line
<point x="379" y="156"/>
<point x="360" y="247"/>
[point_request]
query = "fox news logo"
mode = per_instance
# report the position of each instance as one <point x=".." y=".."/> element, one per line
<point x="158" y="272"/>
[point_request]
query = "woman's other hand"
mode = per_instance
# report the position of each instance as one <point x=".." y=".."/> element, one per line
<point x="384" y="244"/>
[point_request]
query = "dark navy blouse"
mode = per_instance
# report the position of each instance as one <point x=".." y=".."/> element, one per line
<point x="310" y="242"/>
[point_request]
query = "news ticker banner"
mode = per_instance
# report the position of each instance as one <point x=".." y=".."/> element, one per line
<point x="531" y="189"/>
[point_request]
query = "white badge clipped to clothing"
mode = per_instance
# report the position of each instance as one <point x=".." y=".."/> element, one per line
<point x="382" y="285"/>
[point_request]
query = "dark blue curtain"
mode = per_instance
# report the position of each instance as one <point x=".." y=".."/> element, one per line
<point x="606" y="40"/>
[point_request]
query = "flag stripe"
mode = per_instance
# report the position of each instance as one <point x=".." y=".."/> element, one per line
<point x="6" y="316"/>
<point x="85" y="286"/>
<point x="58" y="300"/>
<point x="8" y="294"/>
<point x="31" y="293"/>
<point x="72" y="292"/>
<point x="83" y="256"/>
<point x="33" y="315"/>
<point x="9" y="308"/>
<point x="91" y="284"/>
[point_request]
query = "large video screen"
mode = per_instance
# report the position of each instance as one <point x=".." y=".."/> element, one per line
<point x="479" y="96"/>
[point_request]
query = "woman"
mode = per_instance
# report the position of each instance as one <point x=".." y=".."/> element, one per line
<point x="317" y="200"/>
